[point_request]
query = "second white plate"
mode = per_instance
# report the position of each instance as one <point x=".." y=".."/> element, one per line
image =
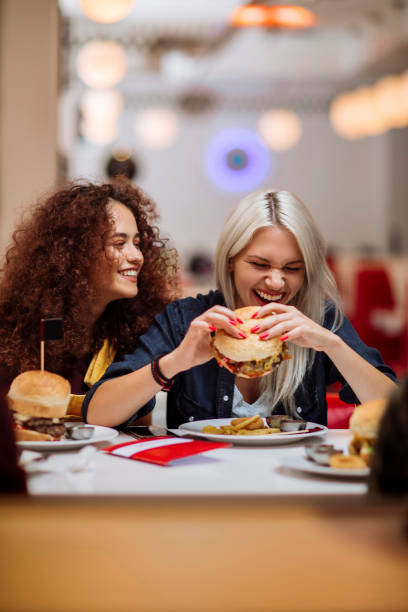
<point x="305" y="465"/>
<point x="100" y="435"/>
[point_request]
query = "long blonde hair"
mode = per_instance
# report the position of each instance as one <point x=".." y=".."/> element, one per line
<point x="273" y="208"/>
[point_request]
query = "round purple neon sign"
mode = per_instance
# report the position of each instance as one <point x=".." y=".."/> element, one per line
<point x="237" y="160"/>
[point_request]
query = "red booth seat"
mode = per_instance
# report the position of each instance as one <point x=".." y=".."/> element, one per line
<point x="374" y="297"/>
<point x="338" y="413"/>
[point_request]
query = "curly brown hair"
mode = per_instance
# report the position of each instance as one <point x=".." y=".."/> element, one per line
<point x="47" y="273"/>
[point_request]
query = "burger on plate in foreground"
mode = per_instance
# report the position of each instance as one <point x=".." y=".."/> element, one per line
<point x="364" y="424"/>
<point x="39" y="399"/>
<point x="249" y="357"/>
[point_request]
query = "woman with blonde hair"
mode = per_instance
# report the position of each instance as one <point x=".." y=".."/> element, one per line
<point x="270" y="255"/>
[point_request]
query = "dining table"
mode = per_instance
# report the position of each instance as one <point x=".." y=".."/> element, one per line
<point x="233" y="470"/>
<point x="236" y="528"/>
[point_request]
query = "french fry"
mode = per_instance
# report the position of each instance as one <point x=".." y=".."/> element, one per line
<point x="210" y="429"/>
<point x="258" y="424"/>
<point x="227" y="429"/>
<point x="238" y="421"/>
<point x="244" y="424"/>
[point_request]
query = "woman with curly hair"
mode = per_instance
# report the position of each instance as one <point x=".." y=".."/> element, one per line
<point x="91" y="255"/>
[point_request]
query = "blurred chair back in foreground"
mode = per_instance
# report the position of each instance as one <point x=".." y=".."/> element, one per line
<point x="389" y="469"/>
<point x="12" y="478"/>
<point x="184" y="554"/>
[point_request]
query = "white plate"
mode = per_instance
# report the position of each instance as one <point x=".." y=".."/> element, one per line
<point x="196" y="428"/>
<point x="100" y="435"/>
<point x="305" y="465"/>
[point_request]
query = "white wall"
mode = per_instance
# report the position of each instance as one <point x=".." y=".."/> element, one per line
<point x="396" y="199"/>
<point x="342" y="182"/>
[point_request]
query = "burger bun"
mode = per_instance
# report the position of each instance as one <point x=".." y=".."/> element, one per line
<point x="29" y="435"/>
<point x="366" y="418"/>
<point x="248" y="349"/>
<point x="39" y="393"/>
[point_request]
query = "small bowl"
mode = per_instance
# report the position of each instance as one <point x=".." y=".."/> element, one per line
<point x="310" y="450"/>
<point x="276" y="419"/>
<point x="81" y="432"/>
<point x="320" y="453"/>
<point x="287" y="425"/>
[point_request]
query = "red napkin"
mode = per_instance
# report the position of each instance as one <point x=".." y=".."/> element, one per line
<point x="162" y="450"/>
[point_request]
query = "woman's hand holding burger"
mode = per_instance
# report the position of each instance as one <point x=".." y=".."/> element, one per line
<point x="194" y="350"/>
<point x="195" y="347"/>
<point x="289" y="324"/>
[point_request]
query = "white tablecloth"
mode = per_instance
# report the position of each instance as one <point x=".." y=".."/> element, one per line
<point x="228" y="471"/>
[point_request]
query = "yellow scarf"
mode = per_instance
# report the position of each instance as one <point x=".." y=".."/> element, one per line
<point x="97" y="368"/>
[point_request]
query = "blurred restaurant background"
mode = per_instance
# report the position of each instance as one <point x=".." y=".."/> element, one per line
<point x="203" y="101"/>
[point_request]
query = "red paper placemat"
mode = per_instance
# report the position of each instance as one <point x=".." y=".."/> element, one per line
<point x="162" y="450"/>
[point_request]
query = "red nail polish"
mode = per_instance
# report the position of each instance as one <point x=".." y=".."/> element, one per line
<point x="283" y="338"/>
<point x="254" y="315"/>
<point x="263" y="336"/>
<point x="232" y="322"/>
<point x="239" y="320"/>
<point x="242" y="335"/>
<point x="255" y="329"/>
<point x="212" y="328"/>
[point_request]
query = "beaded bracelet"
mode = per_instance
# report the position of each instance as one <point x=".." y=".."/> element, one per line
<point x="165" y="383"/>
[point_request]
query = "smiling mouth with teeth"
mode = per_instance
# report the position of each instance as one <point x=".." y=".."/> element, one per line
<point x="266" y="297"/>
<point x="130" y="274"/>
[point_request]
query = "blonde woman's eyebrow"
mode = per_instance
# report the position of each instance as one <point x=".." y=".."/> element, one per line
<point x="258" y="257"/>
<point x="288" y="263"/>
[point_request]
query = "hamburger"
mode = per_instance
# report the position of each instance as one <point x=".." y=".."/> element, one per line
<point x="249" y="357"/>
<point x="364" y="424"/>
<point x="38" y="400"/>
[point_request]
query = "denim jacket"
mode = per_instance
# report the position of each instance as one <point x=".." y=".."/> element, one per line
<point x="206" y="391"/>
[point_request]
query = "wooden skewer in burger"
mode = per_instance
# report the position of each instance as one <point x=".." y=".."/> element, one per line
<point x="39" y="399"/>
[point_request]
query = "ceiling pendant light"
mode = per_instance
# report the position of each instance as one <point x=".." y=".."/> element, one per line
<point x="280" y="129"/>
<point x="106" y="11"/>
<point x="101" y="63"/>
<point x="100" y="113"/>
<point x="258" y="15"/>
<point x="157" y="127"/>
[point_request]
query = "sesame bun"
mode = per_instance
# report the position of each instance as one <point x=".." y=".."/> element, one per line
<point x="249" y="357"/>
<point x="39" y="393"/>
<point x="250" y="348"/>
<point x="365" y="420"/>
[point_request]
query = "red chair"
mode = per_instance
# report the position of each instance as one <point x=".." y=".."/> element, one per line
<point x="338" y="412"/>
<point x="373" y="294"/>
<point x="402" y="368"/>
